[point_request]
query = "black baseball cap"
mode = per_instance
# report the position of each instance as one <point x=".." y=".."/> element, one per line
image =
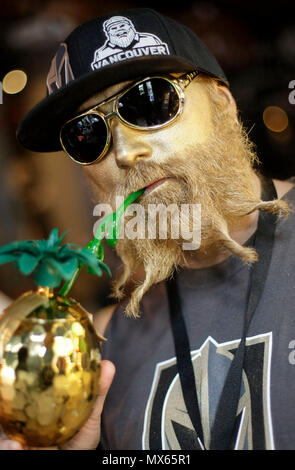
<point x="104" y="51"/>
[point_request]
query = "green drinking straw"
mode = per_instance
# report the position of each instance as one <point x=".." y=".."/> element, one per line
<point x="109" y="228"/>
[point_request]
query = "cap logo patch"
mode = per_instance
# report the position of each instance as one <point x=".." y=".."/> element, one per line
<point x="60" y="72"/>
<point x="124" y="42"/>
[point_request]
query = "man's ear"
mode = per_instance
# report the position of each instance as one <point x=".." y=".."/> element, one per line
<point x="225" y="92"/>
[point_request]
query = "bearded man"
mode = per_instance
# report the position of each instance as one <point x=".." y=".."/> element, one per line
<point x="201" y="355"/>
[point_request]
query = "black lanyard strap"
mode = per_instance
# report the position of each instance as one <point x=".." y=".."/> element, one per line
<point x="184" y="362"/>
<point x="223" y="426"/>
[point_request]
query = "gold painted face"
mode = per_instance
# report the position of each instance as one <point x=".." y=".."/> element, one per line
<point x="130" y="147"/>
<point x="208" y="158"/>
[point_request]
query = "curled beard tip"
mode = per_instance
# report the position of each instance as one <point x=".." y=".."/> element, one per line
<point x="117" y="290"/>
<point x="119" y="284"/>
<point x="277" y="206"/>
<point x="117" y="293"/>
<point x="132" y="309"/>
<point x="247" y="254"/>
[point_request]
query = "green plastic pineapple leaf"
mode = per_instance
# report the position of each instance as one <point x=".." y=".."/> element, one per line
<point x="48" y="261"/>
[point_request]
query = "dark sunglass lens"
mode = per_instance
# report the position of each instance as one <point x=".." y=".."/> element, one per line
<point x="150" y="103"/>
<point x="85" y="137"/>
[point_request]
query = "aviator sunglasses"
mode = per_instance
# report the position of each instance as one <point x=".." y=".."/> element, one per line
<point x="148" y="104"/>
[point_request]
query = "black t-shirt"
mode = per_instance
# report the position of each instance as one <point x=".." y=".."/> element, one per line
<point x="145" y="409"/>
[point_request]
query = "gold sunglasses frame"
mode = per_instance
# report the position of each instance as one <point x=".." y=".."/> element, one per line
<point x="179" y="84"/>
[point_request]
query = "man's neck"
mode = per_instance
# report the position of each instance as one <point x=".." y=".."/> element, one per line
<point x="246" y="229"/>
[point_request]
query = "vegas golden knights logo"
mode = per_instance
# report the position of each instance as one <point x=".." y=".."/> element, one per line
<point x="167" y="424"/>
<point x="60" y="73"/>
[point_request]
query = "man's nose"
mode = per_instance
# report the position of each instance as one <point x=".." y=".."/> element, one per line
<point x="128" y="145"/>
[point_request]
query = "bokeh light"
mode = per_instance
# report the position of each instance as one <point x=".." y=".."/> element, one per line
<point x="14" y="82"/>
<point x="275" y="118"/>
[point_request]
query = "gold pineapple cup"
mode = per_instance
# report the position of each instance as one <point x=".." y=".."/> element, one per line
<point x="49" y="368"/>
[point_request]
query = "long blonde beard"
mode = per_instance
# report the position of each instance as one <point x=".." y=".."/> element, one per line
<point x="219" y="176"/>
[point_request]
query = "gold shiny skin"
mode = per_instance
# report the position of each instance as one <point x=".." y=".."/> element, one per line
<point x="49" y="370"/>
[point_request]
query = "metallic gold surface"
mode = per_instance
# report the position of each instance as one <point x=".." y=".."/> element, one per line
<point x="49" y="372"/>
<point x="14" y="314"/>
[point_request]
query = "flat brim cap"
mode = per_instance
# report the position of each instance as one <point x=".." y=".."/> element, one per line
<point x="104" y="51"/>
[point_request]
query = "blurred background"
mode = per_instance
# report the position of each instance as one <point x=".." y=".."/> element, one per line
<point x="254" y="41"/>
